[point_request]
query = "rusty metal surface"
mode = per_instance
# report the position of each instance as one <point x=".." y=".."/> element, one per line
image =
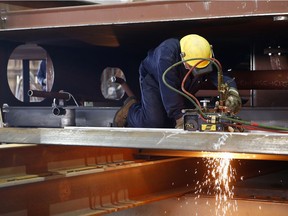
<point x="262" y="195"/>
<point x="152" y="21"/>
<point x="166" y="139"/>
<point x="26" y="5"/>
<point x="261" y="79"/>
<point x="59" y="180"/>
<point x="189" y="205"/>
<point x="65" y="180"/>
<point x="138" y="12"/>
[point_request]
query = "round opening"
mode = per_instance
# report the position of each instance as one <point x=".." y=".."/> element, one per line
<point x="29" y="68"/>
<point x="110" y="87"/>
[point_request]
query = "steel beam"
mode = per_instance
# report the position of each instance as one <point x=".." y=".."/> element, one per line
<point x="95" y="193"/>
<point x="274" y="144"/>
<point x="59" y="180"/>
<point x="138" y="12"/>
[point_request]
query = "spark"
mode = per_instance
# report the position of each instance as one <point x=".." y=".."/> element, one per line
<point x="218" y="181"/>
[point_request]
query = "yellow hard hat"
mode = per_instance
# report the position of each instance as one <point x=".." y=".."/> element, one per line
<point x="195" y="46"/>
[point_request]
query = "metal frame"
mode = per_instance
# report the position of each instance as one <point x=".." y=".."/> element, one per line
<point x="138" y="12"/>
<point x="90" y="181"/>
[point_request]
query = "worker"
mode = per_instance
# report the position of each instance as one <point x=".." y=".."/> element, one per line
<point x="160" y="107"/>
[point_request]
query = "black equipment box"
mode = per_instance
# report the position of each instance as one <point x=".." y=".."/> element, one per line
<point x="193" y="122"/>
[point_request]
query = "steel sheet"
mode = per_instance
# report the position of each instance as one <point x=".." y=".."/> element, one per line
<point x="139" y="12"/>
<point x="165" y="139"/>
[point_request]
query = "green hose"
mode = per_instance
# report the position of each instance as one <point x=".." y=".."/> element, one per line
<point x="277" y="128"/>
<point x="180" y="92"/>
<point x="254" y="124"/>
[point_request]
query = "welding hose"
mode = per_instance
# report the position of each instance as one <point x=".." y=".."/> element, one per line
<point x="248" y="123"/>
<point x="188" y="93"/>
<point x="255" y="124"/>
<point x="183" y="94"/>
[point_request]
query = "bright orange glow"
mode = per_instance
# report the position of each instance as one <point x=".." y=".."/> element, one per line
<point x="218" y="182"/>
<point x="226" y="155"/>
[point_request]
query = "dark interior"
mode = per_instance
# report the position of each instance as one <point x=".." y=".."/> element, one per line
<point x="80" y="54"/>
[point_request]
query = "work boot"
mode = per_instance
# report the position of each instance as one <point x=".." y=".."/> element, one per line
<point x="180" y="123"/>
<point x="120" y="118"/>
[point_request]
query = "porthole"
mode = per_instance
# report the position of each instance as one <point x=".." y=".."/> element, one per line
<point x="110" y="88"/>
<point x="29" y="68"/>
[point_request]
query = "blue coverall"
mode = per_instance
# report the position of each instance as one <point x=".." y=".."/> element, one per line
<point x="161" y="106"/>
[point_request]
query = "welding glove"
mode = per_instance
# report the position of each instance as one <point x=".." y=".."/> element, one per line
<point x="233" y="101"/>
<point x="179" y="123"/>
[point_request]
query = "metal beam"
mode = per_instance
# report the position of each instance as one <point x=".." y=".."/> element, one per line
<point x="195" y="154"/>
<point x="138" y="12"/>
<point x="165" y="139"/>
<point x="95" y="193"/>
